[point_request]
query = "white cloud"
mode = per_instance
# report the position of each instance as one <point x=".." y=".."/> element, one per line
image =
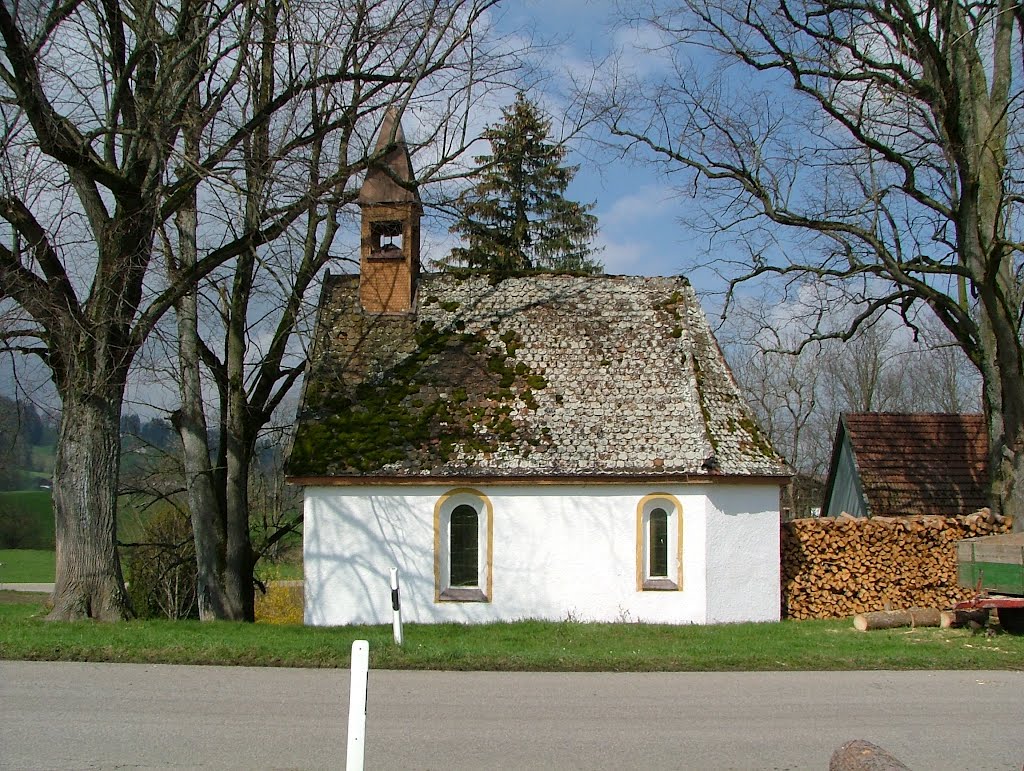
<point x="650" y="202"/>
<point x="642" y="50"/>
<point x="622" y="257"/>
<point x="641" y="235"/>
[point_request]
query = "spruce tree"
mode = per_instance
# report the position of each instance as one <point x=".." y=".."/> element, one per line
<point x="515" y="217"/>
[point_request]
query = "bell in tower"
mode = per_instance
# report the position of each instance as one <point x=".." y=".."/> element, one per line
<point x="389" y="259"/>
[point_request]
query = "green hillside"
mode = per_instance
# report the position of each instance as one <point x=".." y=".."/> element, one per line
<point x="25" y="466"/>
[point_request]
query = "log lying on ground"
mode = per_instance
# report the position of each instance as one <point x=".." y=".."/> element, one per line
<point x="889" y="619"/>
<point x="861" y="755"/>
<point x="956" y="618"/>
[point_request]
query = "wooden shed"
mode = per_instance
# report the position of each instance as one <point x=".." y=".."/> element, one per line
<point x="898" y="464"/>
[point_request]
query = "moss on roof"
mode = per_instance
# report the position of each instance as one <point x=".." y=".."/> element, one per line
<point x="543" y="375"/>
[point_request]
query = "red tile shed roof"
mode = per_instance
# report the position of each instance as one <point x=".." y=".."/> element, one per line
<point x="920" y="463"/>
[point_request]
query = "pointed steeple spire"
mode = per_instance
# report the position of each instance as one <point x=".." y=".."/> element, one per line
<point x="389" y="262"/>
<point x="394" y="166"/>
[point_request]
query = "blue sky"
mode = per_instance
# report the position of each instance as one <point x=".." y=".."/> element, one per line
<point x="638" y="214"/>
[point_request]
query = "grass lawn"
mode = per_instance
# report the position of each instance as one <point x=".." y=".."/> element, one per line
<point x="31" y="566"/>
<point x="521" y="646"/>
<point x="279" y="571"/>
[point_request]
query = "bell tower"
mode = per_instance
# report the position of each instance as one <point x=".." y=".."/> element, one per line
<point x="389" y="256"/>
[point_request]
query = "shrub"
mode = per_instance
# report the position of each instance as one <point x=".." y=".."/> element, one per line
<point x="21" y="525"/>
<point x="17" y="529"/>
<point x="161" y="569"/>
<point x="13" y="479"/>
<point x="282" y="603"/>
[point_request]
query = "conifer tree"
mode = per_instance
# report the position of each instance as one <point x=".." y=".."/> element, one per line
<point x="515" y="216"/>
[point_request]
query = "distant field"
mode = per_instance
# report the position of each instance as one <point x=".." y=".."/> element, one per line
<point x="42" y="456"/>
<point x="42" y="464"/>
<point x="26" y="566"/>
<point x="37" y="501"/>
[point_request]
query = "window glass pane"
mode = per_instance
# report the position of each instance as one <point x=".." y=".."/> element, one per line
<point x="463" y="550"/>
<point x="658" y="544"/>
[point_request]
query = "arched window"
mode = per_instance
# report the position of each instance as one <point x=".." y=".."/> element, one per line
<point x="657" y="554"/>
<point x="462" y="547"/>
<point x="659" y="535"/>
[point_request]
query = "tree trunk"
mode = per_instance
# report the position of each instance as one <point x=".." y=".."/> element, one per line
<point x="190" y="419"/>
<point x="239" y="572"/>
<point x="237" y="435"/>
<point x="1006" y="442"/>
<point x="1003" y="397"/>
<point x="207" y="516"/>
<point x="240" y="448"/>
<point x="981" y="132"/>
<point x="1013" y="489"/>
<point x="89" y="583"/>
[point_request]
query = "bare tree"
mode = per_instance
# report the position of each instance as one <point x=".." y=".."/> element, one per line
<point x="244" y="325"/>
<point x="783" y="388"/>
<point x="120" y="123"/>
<point x="799" y="396"/>
<point x="866" y="373"/>
<point x="942" y="379"/>
<point x="884" y="138"/>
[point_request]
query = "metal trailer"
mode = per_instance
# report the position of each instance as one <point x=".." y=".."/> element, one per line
<point x="993" y="566"/>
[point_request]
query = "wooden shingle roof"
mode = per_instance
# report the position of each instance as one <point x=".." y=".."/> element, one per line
<point x="918" y="463"/>
<point x="540" y="376"/>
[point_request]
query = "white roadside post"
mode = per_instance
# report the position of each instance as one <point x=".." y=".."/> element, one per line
<point x="396" y="608"/>
<point x="357" y="706"/>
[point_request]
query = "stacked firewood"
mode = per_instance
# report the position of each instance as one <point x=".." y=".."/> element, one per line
<point x="833" y="568"/>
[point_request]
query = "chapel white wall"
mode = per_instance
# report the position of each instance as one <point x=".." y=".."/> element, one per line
<point x="743" y="560"/>
<point x="558" y="552"/>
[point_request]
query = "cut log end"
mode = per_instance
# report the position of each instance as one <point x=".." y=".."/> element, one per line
<point x="861" y="755"/>
<point x="952" y="619"/>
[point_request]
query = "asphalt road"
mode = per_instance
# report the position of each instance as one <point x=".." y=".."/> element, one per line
<point x="62" y="716"/>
